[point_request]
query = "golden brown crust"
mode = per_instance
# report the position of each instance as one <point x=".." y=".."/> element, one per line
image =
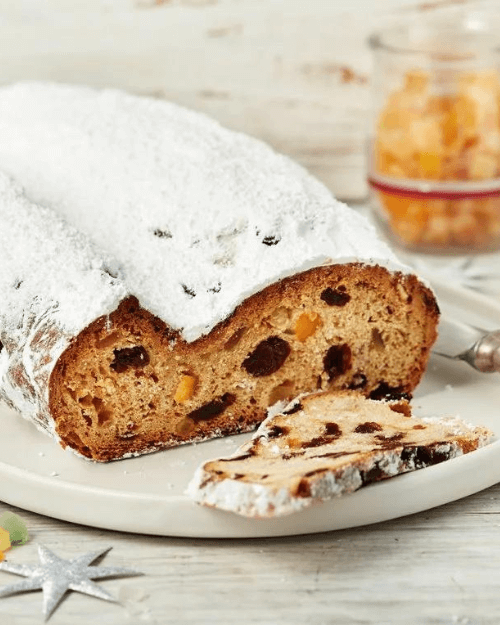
<point x="130" y="384"/>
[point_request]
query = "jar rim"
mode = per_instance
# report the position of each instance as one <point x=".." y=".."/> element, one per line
<point x="451" y="37"/>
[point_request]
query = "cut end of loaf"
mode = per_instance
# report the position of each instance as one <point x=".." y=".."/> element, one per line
<point x="129" y="384"/>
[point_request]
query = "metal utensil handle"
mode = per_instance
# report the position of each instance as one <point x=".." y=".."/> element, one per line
<point x="487" y="353"/>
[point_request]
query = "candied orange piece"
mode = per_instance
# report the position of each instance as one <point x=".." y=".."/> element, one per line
<point x="482" y="166"/>
<point x="185" y="388"/>
<point x="451" y="127"/>
<point x="482" y="88"/>
<point x="383" y="160"/>
<point x="426" y="135"/>
<point x="416" y="80"/>
<point x="396" y="205"/>
<point x="407" y="216"/>
<point x="395" y="118"/>
<point x="306" y="325"/>
<point x="430" y="165"/>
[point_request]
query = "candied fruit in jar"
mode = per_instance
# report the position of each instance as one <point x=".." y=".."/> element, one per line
<point x="436" y="133"/>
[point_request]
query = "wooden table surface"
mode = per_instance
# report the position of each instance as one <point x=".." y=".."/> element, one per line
<point x="437" y="567"/>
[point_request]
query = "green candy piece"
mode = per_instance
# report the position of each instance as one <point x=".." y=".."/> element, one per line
<point x="16" y="527"/>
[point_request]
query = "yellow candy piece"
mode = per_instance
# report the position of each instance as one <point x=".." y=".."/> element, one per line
<point x="4" y="539"/>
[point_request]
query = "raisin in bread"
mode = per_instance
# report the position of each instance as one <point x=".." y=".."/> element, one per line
<point x="164" y="280"/>
<point x="324" y="445"/>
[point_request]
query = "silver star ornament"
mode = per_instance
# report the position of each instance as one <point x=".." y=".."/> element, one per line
<point x="55" y="576"/>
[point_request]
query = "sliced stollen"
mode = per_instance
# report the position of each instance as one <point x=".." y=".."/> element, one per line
<point x="324" y="445"/>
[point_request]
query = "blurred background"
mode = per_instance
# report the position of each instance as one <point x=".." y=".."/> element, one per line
<point x="301" y="76"/>
<point x="294" y="73"/>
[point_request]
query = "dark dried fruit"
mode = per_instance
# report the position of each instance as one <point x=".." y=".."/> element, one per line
<point x="384" y="391"/>
<point x="271" y="240"/>
<point x="337" y="360"/>
<point x="336" y="454"/>
<point x="188" y="291"/>
<point x="1" y="346"/>
<point x="129" y="357"/>
<point x="303" y="489"/>
<point x="277" y="430"/>
<point x="332" y="432"/>
<point x="267" y="357"/>
<point x="375" y="474"/>
<point x="335" y="297"/>
<point x="316" y="442"/>
<point x="216" y="288"/>
<point x="213" y="408"/>
<point x="368" y="428"/>
<point x="162" y="234"/>
<point x="423" y="456"/>
<point x="295" y="408"/>
<point x="390" y="442"/>
<point x="315" y="472"/>
<point x="332" y="429"/>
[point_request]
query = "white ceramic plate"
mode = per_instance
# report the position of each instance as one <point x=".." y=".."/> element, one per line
<point x="145" y="495"/>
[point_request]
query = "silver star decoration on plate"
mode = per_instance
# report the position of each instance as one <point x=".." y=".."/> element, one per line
<point x="55" y="576"/>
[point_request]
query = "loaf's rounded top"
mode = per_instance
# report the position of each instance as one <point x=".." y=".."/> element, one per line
<point x="195" y="217"/>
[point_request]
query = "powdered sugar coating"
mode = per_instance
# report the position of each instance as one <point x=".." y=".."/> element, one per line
<point x="196" y="217"/>
<point x="261" y="501"/>
<point x="53" y="284"/>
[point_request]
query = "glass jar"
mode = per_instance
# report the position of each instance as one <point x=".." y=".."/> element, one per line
<point x="434" y="149"/>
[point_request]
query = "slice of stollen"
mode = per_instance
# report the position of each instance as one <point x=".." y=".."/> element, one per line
<point x="326" y="444"/>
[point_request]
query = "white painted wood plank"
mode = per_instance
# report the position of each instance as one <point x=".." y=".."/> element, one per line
<point x="436" y="567"/>
<point x="292" y="73"/>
